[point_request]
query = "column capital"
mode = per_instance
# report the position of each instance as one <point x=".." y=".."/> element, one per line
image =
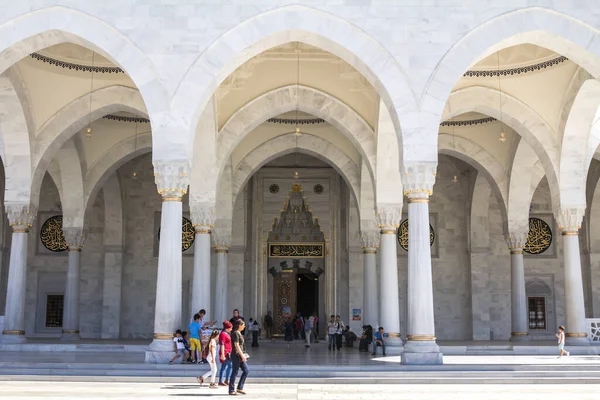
<point x="20" y="216"/>
<point x="388" y="216"/>
<point x="369" y="239"/>
<point x="569" y="219"/>
<point x="172" y="178"/>
<point x="74" y="236"/>
<point x="203" y="216"/>
<point x="418" y="180"/>
<point x="221" y="238"/>
<point x="516" y="240"/>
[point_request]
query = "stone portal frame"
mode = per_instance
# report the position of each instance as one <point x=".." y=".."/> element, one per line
<point x="283" y="25"/>
<point x="521" y="118"/>
<point x="307" y="144"/>
<point x="309" y="100"/>
<point x="558" y="32"/>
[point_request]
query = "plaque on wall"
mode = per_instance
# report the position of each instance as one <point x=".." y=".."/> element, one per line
<point x="277" y="250"/>
<point x="188" y="234"/>
<point x="403" y="235"/>
<point x="539" y="237"/>
<point x="52" y="236"/>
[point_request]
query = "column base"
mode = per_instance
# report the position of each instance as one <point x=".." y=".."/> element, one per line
<point x="422" y="352"/>
<point x="576" y="339"/>
<point x="10" y="336"/>
<point x="393" y="347"/>
<point x="519" y="337"/>
<point x="70" y="334"/>
<point x="160" y="350"/>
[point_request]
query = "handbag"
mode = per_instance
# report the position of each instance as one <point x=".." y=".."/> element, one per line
<point x="246" y="356"/>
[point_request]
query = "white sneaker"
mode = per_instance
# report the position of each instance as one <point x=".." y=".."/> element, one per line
<point x="568" y="354"/>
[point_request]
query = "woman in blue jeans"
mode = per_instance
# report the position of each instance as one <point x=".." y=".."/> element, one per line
<point x="225" y="353"/>
<point x="238" y="359"/>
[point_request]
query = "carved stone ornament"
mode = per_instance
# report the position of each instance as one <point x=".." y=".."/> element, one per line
<point x="370" y="239"/>
<point x="569" y="219"/>
<point x="172" y="178"/>
<point x="20" y="216"/>
<point x="389" y="216"/>
<point x="74" y="236"/>
<point x="221" y="238"/>
<point x="418" y="180"/>
<point x="203" y="215"/>
<point x="516" y="240"/>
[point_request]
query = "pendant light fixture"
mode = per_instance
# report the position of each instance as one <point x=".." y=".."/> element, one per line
<point x="88" y="132"/>
<point x="502" y="136"/>
<point x="297" y="88"/>
<point x="134" y="175"/>
<point x="455" y="178"/>
<point x="296" y="172"/>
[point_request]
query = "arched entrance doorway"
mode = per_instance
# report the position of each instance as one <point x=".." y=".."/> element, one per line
<point x="296" y="260"/>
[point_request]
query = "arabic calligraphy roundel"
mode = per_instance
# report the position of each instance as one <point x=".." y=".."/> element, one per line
<point x="52" y="236"/>
<point x="403" y="235"/>
<point x="539" y="237"/>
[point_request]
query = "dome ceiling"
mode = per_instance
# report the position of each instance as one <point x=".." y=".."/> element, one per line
<point x="516" y="56"/>
<point x="72" y="53"/>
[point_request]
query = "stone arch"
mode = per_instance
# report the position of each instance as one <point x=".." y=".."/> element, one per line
<point x="526" y="174"/>
<point x="280" y="26"/>
<point x="485" y="164"/>
<point x="580" y="141"/>
<point x="74" y="117"/>
<point x="315" y="102"/>
<point x="71" y="188"/>
<point x="49" y="26"/>
<point x="15" y="148"/>
<point x="558" y="32"/>
<point x="110" y="161"/>
<point x="307" y="144"/>
<point x="520" y="117"/>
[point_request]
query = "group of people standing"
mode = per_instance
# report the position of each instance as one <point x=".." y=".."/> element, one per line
<point x="228" y="343"/>
<point x="302" y="327"/>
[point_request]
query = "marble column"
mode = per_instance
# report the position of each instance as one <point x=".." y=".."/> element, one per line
<point x="569" y="222"/>
<point x="203" y="218"/>
<point x="70" y="325"/>
<point x="389" y="307"/>
<point x="172" y="179"/>
<point x="370" y="243"/>
<point x="20" y="218"/>
<point x="421" y="346"/>
<point x="222" y="242"/>
<point x="519" y="320"/>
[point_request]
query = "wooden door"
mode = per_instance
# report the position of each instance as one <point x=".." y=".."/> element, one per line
<point x="284" y="299"/>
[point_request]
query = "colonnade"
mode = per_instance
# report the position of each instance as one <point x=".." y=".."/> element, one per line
<point x="172" y="180"/>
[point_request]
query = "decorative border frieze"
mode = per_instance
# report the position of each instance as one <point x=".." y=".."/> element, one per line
<point x="469" y="122"/>
<point x="297" y="121"/>
<point x="122" y="118"/>
<point x="76" y="67"/>
<point x="515" y="71"/>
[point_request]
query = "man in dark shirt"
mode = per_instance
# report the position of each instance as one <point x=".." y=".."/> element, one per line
<point x="268" y="324"/>
<point x="237" y="317"/>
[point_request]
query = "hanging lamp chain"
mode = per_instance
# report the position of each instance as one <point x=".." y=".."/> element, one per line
<point x="89" y="128"/>
<point x="502" y="136"/>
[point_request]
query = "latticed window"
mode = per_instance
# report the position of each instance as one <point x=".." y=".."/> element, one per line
<point x="537" y="312"/>
<point x="54" y="310"/>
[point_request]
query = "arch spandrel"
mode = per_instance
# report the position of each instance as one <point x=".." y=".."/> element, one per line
<point x="284" y="25"/>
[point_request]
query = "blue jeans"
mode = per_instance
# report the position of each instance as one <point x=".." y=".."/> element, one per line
<point x="375" y="345"/>
<point x="225" y="367"/>
<point x="332" y="341"/>
<point x="237" y="364"/>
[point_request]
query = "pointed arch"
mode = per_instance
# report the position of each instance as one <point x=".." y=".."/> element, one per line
<point x="312" y="101"/>
<point x="546" y="28"/>
<point x="307" y="144"/>
<point x="520" y="117"/>
<point x="72" y="118"/>
<point x="279" y="26"/>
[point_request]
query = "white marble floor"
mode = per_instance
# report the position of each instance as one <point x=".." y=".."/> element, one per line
<point x="186" y="389"/>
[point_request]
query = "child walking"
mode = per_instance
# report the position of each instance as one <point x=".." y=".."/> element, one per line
<point x="212" y="361"/>
<point x="561" y="342"/>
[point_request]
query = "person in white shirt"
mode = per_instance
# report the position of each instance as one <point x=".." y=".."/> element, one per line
<point x="308" y="327"/>
<point x="339" y="333"/>
<point x="179" y="346"/>
<point x="211" y="357"/>
<point x="332" y="327"/>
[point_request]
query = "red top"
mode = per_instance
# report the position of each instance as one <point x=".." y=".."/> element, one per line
<point x="225" y="340"/>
